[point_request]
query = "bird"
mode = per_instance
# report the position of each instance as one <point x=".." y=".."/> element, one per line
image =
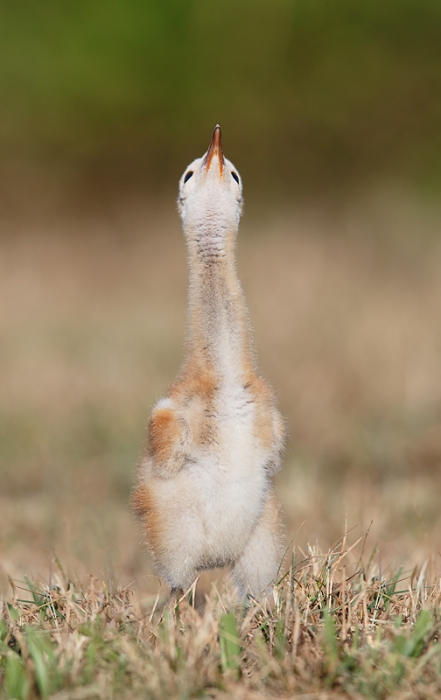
<point x="204" y="492"/>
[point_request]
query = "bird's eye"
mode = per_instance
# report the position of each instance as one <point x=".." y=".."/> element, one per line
<point x="236" y="177"/>
<point x="188" y="175"/>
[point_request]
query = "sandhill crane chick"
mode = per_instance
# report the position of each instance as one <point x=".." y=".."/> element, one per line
<point x="204" y="493"/>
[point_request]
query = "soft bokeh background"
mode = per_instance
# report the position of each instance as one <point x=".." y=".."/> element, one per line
<point x="332" y="113"/>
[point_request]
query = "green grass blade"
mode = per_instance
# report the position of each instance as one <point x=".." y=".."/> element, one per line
<point x="229" y="642"/>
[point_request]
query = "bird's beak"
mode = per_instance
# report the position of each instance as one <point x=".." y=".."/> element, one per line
<point x="215" y="149"/>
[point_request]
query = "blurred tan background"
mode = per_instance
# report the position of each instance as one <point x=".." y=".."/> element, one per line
<point x="332" y="114"/>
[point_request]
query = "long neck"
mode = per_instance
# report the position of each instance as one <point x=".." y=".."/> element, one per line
<point x="218" y="333"/>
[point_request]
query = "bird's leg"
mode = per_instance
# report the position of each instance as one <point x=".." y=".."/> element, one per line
<point x="175" y="596"/>
<point x="262" y="557"/>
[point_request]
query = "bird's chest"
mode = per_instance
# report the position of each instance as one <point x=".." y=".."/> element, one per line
<point x="235" y="439"/>
<point x="234" y="407"/>
<point x="225" y="433"/>
<point x="229" y="475"/>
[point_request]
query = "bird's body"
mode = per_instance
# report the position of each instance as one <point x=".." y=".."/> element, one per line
<point x="204" y="494"/>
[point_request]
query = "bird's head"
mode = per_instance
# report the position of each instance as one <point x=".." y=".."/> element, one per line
<point x="210" y="193"/>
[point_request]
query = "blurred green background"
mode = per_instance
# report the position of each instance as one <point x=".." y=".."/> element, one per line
<point x="314" y="96"/>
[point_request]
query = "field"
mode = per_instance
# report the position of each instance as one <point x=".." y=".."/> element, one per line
<point x="346" y="309"/>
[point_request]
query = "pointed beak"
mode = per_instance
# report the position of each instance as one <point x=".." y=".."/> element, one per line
<point x="215" y="149"/>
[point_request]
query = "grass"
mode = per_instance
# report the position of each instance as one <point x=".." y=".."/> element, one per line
<point x="346" y="308"/>
<point x="337" y="629"/>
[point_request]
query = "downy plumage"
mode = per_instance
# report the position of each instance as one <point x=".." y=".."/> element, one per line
<point x="204" y="493"/>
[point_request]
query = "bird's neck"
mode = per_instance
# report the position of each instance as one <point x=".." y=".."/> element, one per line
<point x="218" y="332"/>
